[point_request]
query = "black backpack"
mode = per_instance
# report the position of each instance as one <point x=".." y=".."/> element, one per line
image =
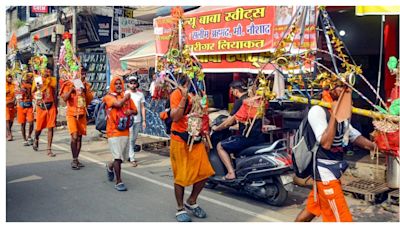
<point x="168" y="121"/>
<point x="101" y="117"/>
<point x="304" y="151"/>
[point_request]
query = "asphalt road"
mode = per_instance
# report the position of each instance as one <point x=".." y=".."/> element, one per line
<point x="44" y="189"/>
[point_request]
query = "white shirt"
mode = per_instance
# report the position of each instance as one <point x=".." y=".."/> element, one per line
<point x="317" y="119"/>
<point x="137" y="98"/>
<point x="152" y="87"/>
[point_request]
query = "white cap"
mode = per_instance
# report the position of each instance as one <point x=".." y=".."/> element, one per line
<point x="132" y="77"/>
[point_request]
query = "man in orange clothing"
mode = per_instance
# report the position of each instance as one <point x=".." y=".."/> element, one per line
<point x="10" y="104"/>
<point x="46" y="110"/>
<point x="25" y="108"/>
<point x="77" y="94"/>
<point x="189" y="168"/>
<point x="120" y="110"/>
<point x="329" y="200"/>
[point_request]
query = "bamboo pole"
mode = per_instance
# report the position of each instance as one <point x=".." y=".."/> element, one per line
<point x="358" y="111"/>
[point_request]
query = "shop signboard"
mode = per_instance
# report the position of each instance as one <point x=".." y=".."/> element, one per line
<point x="39" y="9"/>
<point x="93" y="30"/>
<point x="118" y="12"/>
<point x="129" y="26"/>
<point x="229" y="38"/>
<point x="36" y="11"/>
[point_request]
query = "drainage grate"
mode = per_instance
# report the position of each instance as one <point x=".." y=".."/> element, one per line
<point x="369" y="189"/>
<point x="150" y="146"/>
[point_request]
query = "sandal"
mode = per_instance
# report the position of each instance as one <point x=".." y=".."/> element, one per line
<point x="120" y="187"/>
<point x="50" y="154"/>
<point x="196" y="210"/>
<point x="10" y="138"/>
<point x="35" y="145"/>
<point x="74" y="165"/>
<point x="134" y="163"/>
<point x="80" y="164"/>
<point x="110" y="174"/>
<point x="183" y="216"/>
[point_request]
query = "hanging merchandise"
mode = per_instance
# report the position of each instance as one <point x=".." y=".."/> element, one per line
<point x="387" y="132"/>
<point x="176" y="65"/>
<point x="15" y="68"/>
<point x="344" y="72"/>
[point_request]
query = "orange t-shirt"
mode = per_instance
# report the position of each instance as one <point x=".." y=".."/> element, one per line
<point x="112" y="118"/>
<point x="10" y="92"/>
<point x="182" y="124"/>
<point x="26" y="91"/>
<point x="72" y="102"/>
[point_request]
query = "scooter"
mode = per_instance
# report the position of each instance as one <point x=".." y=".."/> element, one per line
<point x="262" y="171"/>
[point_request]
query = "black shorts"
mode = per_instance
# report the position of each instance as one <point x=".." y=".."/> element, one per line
<point x="237" y="143"/>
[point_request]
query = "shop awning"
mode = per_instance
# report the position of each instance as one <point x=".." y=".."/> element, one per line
<point x="143" y="57"/>
<point x="119" y="48"/>
<point x="44" y="32"/>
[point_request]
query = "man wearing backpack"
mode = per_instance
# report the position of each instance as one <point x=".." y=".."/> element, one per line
<point x="120" y="109"/>
<point x="327" y="197"/>
<point x="77" y="95"/>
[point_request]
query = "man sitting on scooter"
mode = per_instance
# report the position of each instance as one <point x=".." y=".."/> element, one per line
<point x="237" y="143"/>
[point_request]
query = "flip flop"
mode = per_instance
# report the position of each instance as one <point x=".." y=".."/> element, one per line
<point x="35" y="145"/>
<point x="50" y="154"/>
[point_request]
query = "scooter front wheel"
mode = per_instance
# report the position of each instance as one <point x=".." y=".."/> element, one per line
<point x="278" y="194"/>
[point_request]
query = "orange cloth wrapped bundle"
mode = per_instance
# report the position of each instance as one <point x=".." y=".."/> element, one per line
<point x="250" y="109"/>
<point x="387" y="142"/>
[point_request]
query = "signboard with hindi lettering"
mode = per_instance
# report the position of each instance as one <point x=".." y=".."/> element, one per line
<point x="245" y="29"/>
<point x="237" y="39"/>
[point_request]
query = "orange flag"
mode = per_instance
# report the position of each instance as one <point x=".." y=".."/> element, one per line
<point x="13" y="41"/>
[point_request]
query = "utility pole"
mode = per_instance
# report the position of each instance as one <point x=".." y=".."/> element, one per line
<point x="74" y="28"/>
<point x="59" y="31"/>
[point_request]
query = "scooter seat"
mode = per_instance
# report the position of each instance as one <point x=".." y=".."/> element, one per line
<point x="251" y="150"/>
<point x="262" y="148"/>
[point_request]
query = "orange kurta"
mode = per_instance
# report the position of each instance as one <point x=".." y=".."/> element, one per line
<point x="76" y="111"/>
<point x="182" y="124"/>
<point x="10" y="101"/>
<point x="25" y="114"/>
<point x="112" y="119"/>
<point x="330" y="203"/>
<point x="46" y="118"/>
<point x="188" y="167"/>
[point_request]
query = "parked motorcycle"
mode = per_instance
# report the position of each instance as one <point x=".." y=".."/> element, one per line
<point x="91" y="110"/>
<point x="262" y="171"/>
